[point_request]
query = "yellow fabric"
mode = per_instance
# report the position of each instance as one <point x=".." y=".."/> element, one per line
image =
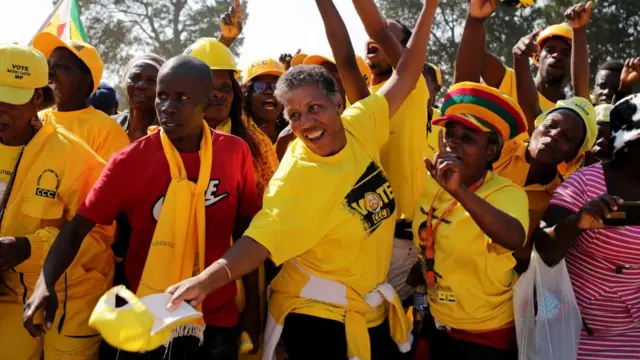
<point x="561" y="30"/>
<point x="475" y="292"/>
<point x="403" y="154"/>
<point x="92" y="126"/>
<point x="266" y="164"/>
<point x="224" y="126"/>
<point x="298" y="59"/>
<point x="47" y="42"/>
<point x="438" y="73"/>
<point x="213" y="53"/>
<point x="513" y="166"/>
<point x="364" y="68"/>
<point x="432" y="137"/>
<point x="178" y="244"/>
<point x="343" y="233"/>
<point x="588" y="115"/>
<point x="48" y="190"/>
<point x="508" y="87"/>
<point x="22" y="70"/>
<point x="263" y="67"/>
<point x="603" y="112"/>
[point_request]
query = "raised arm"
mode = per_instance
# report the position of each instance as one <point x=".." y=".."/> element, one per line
<point x="338" y="36"/>
<point x="578" y="17"/>
<point x="231" y="24"/>
<point x="629" y="78"/>
<point x="525" y="85"/>
<point x="404" y="79"/>
<point x="472" y="44"/>
<point x="378" y="31"/>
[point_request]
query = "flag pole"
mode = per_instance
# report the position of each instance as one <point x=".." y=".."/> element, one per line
<point x="48" y="20"/>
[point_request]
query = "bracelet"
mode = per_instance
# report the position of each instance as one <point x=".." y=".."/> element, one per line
<point x="226" y="268"/>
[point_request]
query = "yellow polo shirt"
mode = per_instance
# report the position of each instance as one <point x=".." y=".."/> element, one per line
<point x="402" y="156"/>
<point x="475" y="290"/>
<point x="513" y="165"/>
<point x="508" y="87"/>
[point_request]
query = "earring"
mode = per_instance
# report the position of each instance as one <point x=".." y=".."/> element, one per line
<point x="36" y="123"/>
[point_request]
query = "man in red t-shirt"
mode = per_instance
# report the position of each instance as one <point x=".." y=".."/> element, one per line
<point x="135" y="182"/>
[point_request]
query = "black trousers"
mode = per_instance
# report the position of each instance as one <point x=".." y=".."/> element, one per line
<point x="312" y="338"/>
<point x="219" y="344"/>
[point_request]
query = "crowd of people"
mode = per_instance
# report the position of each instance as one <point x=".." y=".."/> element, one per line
<point x="317" y="206"/>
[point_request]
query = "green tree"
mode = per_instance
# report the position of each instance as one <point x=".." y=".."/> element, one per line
<point x="121" y="29"/>
<point x="613" y="32"/>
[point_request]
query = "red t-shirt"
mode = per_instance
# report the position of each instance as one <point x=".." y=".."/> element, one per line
<point x="135" y="181"/>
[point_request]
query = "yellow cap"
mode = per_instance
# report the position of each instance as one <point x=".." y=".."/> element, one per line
<point x="561" y="30"/>
<point x="47" y="42"/>
<point x="603" y="113"/>
<point x="213" y="53"/>
<point x="263" y="67"/>
<point x="438" y="73"/>
<point x="365" y="70"/>
<point x="22" y="70"/>
<point x="130" y="327"/>
<point x="298" y="59"/>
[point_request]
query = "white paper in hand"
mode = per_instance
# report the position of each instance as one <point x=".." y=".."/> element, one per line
<point x="157" y="305"/>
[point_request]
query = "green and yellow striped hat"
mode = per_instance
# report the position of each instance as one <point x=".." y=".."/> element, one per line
<point x="483" y="108"/>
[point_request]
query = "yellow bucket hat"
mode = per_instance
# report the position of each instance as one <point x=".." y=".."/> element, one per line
<point x="47" y="42"/>
<point x="22" y="70"/>
<point x="133" y="327"/>
<point x="214" y="54"/>
<point x="263" y="67"/>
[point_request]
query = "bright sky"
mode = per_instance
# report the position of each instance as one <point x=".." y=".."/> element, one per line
<point x="273" y="26"/>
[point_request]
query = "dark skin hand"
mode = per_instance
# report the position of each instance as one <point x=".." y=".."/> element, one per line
<point x="285" y="59"/>
<point x="343" y="53"/>
<point x="629" y="78"/>
<point x="526" y="87"/>
<point x="231" y="24"/>
<point x="13" y="251"/>
<point x="578" y="16"/>
<point x="472" y="44"/>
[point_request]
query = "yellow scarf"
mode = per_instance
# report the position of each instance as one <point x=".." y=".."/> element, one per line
<point x="179" y="238"/>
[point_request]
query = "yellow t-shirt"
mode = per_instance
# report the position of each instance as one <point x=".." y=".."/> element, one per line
<point x="402" y="156"/>
<point x="513" y="165"/>
<point x="508" y="87"/>
<point x="335" y="214"/>
<point x="7" y="165"/>
<point x="475" y="291"/>
<point x="104" y="135"/>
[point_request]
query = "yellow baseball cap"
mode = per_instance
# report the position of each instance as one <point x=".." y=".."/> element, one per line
<point x="47" y="42"/>
<point x="213" y="53"/>
<point x="298" y="59"/>
<point x="131" y="327"/>
<point x="365" y="70"/>
<point x="22" y="70"/>
<point x="438" y="73"/>
<point x="263" y="67"/>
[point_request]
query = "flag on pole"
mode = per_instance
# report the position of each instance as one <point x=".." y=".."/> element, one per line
<point x="64" y="21"/>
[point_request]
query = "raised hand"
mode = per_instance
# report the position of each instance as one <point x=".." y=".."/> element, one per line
<point x="579" y="15"/>
<point x="482" y="9"/>
<point x="285" y="59"/>
<point x="446" y="168"/>
<point x="231" y="21"/>
<point x="593" y="213"/>
<point x="527" y="47"/>
<point x="630" y="76"/>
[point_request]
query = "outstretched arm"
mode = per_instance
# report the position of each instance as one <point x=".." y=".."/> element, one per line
<point x="404" y="79"/>
<point x="231" y="24"/>
<point x="525" y="86"/>
<point x="578" y="17"/>
<point x="338" y="36"/>
<point x="378" y="31"/>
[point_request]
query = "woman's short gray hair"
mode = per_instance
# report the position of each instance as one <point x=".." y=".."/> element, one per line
<point x="304" y="75"/>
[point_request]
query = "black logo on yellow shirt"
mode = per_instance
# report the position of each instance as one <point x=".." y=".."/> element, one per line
<point x="371" y="198"/>
<point x="48" y="184"/>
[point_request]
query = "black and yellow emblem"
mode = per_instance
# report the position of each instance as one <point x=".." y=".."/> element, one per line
<point x="48" y="184"/>
<point x="371" y="198"/>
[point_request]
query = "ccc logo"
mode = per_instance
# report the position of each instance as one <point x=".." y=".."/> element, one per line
<point x="46" y="193"/>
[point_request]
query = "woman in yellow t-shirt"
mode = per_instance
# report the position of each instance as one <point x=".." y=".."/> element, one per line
<point x="469" y="222"/>
<point x="330" y="300"/>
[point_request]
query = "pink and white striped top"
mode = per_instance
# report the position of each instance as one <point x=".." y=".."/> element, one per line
<point x="604" y="266"/>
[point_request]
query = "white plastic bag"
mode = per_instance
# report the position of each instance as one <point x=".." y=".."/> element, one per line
<point x="553" y="332"/>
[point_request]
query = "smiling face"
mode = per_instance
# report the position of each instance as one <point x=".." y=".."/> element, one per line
<point x="555" y="60"/>
<point x="68" y="77"/>
<point x="223" y="96"/>
<point x="472" y="147"/>
<point x="375" y="57"/>
<point x="606" y="85"/>
<point x="315" y="119"/>
<point x="558" y="139"/>
<point x="15" y="120"/>
<point x="263" y="102"/>
<point x="141" y="86"/>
